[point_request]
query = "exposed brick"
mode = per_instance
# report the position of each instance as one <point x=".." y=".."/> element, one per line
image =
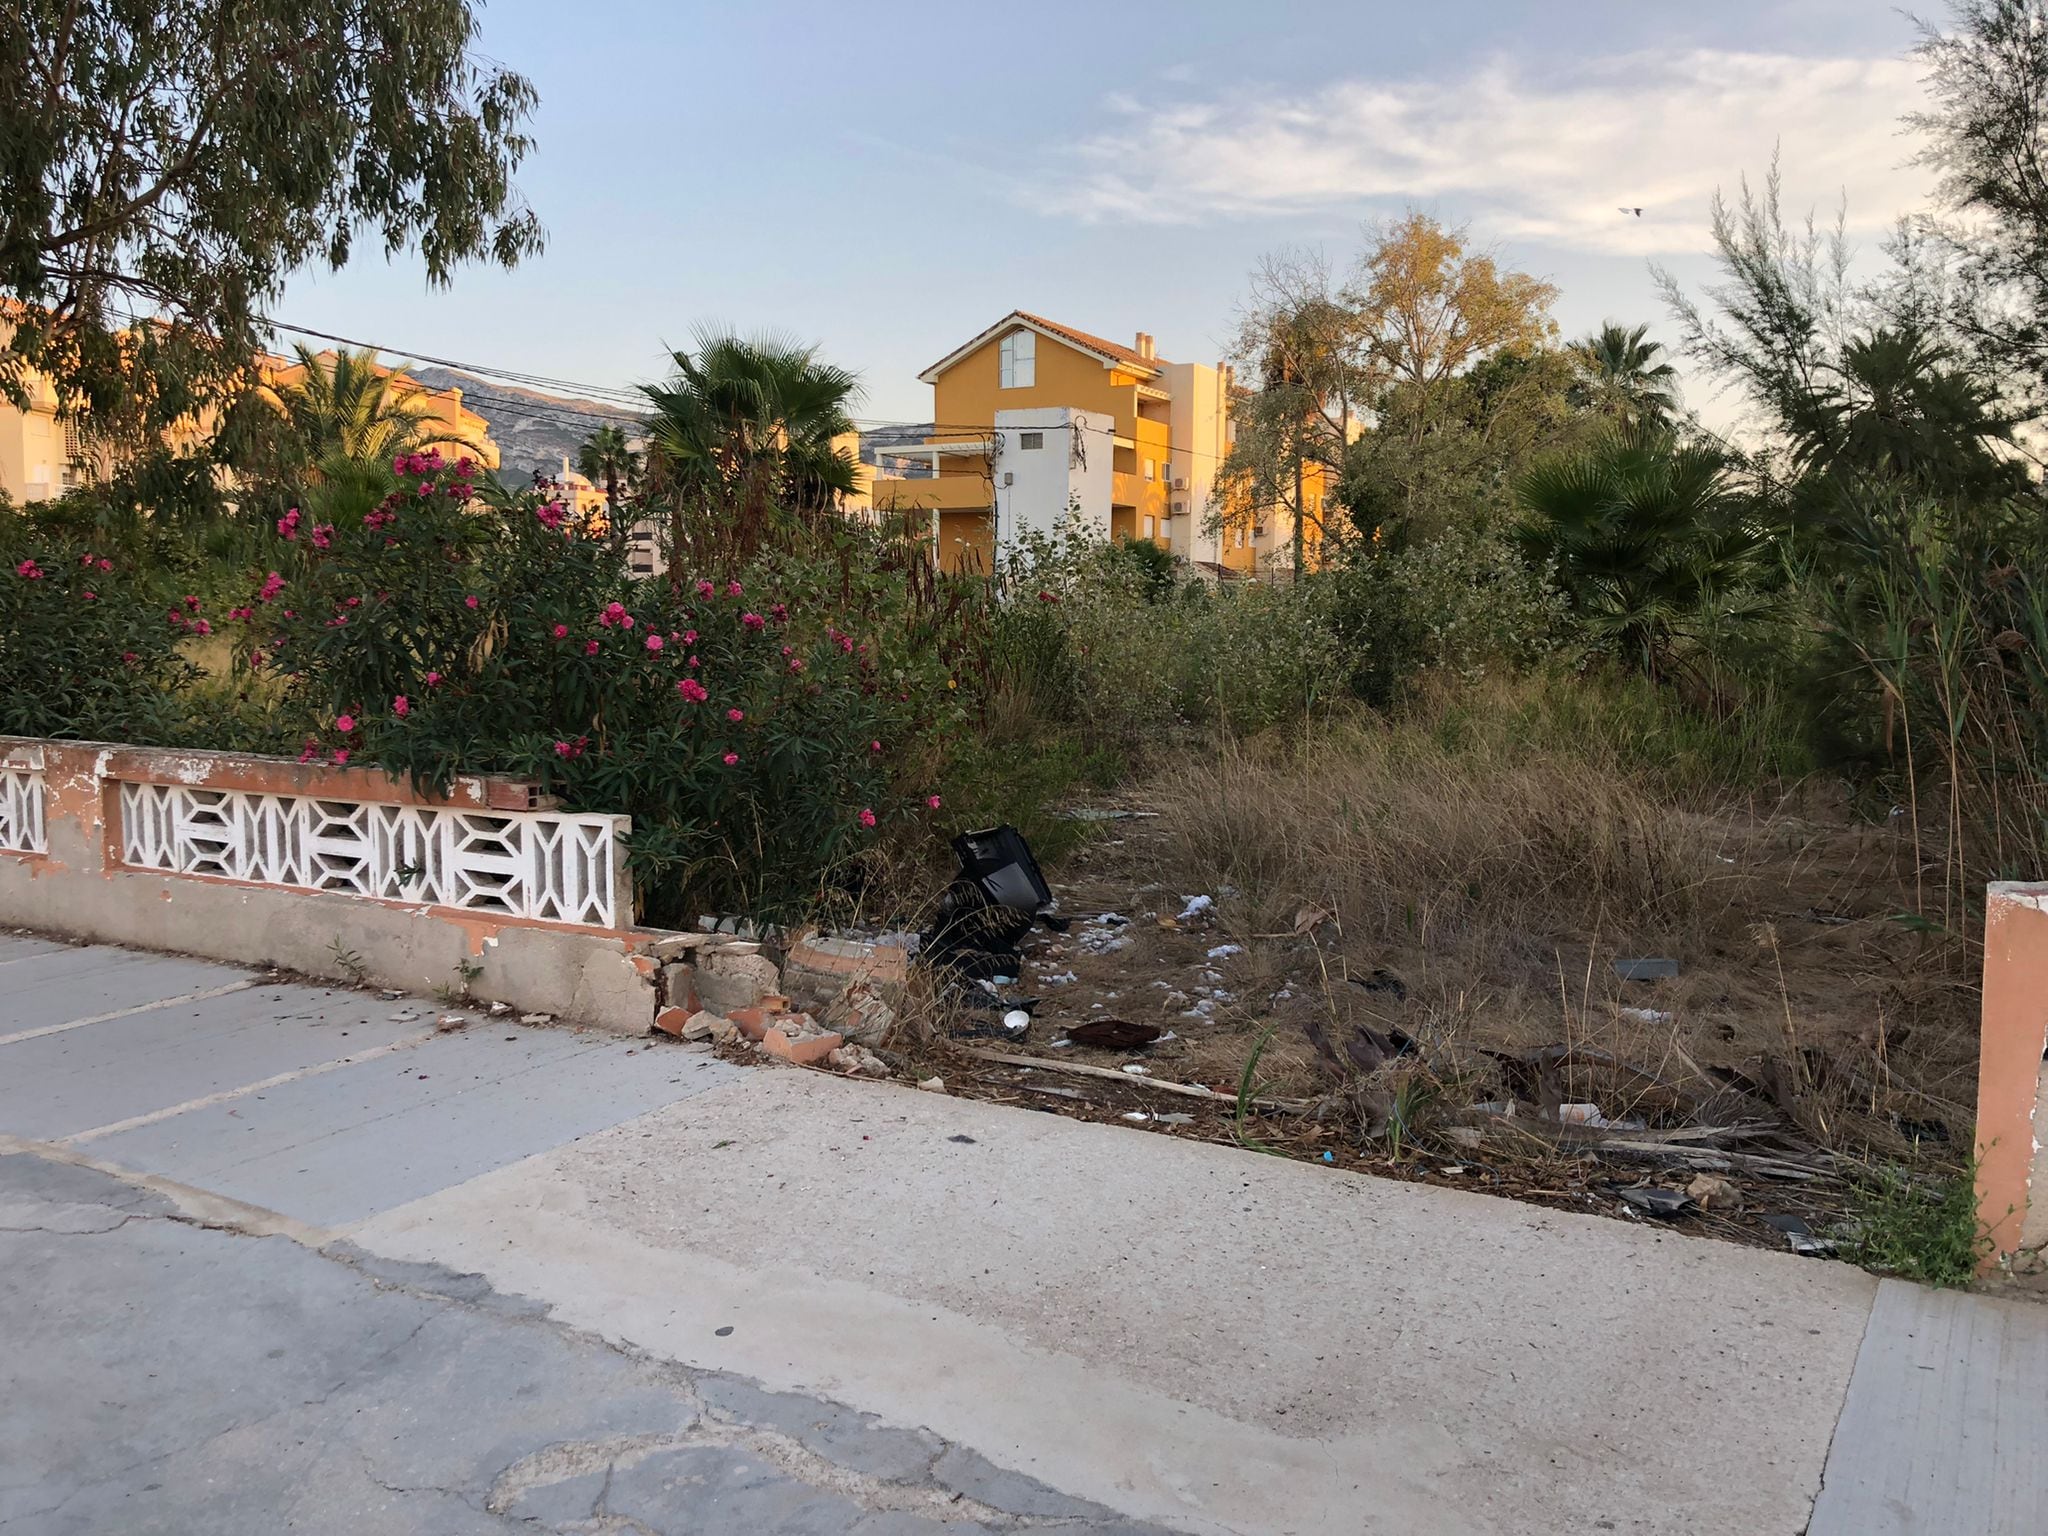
<point x="671" y="1021"/>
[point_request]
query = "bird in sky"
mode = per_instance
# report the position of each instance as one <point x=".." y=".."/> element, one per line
<point x="1636" y="211"/>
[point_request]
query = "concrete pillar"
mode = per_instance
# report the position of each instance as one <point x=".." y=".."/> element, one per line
<point x="2012" y="1088"/>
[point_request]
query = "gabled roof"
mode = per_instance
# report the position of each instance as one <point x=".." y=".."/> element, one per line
<point x="1110" y="352"/>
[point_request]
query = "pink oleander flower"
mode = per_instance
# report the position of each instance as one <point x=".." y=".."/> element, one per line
<point x="846" y="644"/>
<point x="562" y="749"/>
<point x="106" y="565"/>
<point x="353" y="602"/>
<point x="312" y="751"/>
<point x="130" y="656"/>
<point x="288" y="525"/>
<point x="401" y="706"/>
<point x="551" y="515"/>
<point x="28" y="570"/>
<point x="561" y="631"/>
<point x="345" y="723"/>
<point x="692" y="662"/>
<point x="733" y="589"/>
<point x="90" y="596"/>
<point x="866" y="818"/>
<point x="469" y="601"/>
<point x="322" y="535"/>
<point x="340" y="758"/>
<point x="779" y="612"/>
<point x="931" y="802"/>
<point x="626" y="622"/>
<point x="735" y="715"/>
<point x="752" y="620"/>
<point x="426" y="488"/>
<point x="874" y="746"/>
<point x="693" y="690"/>
<point x="689" y="637"/>
<point x="705" y="589"/>
<point x="201" y="627"/>
<point x="654" y="642"/>
<point x="731" y="758"/>
<point x="789" y="650"/>
<point x="433" y="679"/>
<point x="796" y="664"/>
<point x="590" y="647"/>
<point x="191" y="601"/>
<point x="272" y="585"/>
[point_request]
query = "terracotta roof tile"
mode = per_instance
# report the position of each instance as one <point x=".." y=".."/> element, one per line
<point x="1115" y="349"/>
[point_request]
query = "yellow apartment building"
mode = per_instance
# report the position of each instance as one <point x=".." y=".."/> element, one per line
<point x="1034" y="419"/>
<point x="42" y="455"/>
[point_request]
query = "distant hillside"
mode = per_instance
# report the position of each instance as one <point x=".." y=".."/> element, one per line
<point x="532" y="430"/>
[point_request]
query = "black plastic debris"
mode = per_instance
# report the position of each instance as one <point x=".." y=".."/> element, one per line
<point x="1645" y="969"/>
<point x="1113" y="1034"/>
<point x="989" y="905"/>
<point x="1799" y="1237"/>
<point x="1384" y="981"/>
<point x="1657" y="1202"/>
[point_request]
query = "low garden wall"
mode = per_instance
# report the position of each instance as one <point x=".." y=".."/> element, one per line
<point x="331" y="871"/>
<point x="2012" y="1081"/>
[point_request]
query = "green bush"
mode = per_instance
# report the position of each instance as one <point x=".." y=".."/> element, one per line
<point x="89" y="644"/>
<point x="1917" y="1227"/>
<point x="763" y="727"/>
<point x="1463" y="603"/>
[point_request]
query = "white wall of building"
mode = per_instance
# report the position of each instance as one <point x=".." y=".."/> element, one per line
<point x="1069" y="466"/>
<point x="1199" y="422"/>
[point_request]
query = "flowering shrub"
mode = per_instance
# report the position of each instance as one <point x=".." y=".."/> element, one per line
<point x="760" y="727"/>
<point x="88" y="648"/>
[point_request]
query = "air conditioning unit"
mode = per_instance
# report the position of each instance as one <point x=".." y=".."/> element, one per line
<point x="1180" y="482"/>
<point x="1179" y="507"/>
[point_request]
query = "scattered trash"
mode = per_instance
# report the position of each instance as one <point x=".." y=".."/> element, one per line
<point x="1329" y="1157"/>
<point x="499" y="1010"/>
<point x="1137" y="1116"/>
<point x="1196" y="906"/>
<point x="1645" y="969"/>
<point x="1017" y="1022"/>
<point x="1098" y="813"/>
<point x="1310" y="918"/>
<point x="1137" y="1071"/>
<point x="1589" y="1116"/>
<point x="723" y="1332"/>
<point x="1645" y="1015"/>
<point x="1059" y="979"/>
<point x="1225" y="951"/>
<point x="1174" y="1119"/>
<point x="1799" y="1236"/>
<point x="963" y="1139"/>
<point x="1715" y="1193"/>
<point x="390" y="994"/>
<point x="1657" y="1202"/>
<point x="933" y="1084"/>
<point x="405" y="1016"/>
<point x="536" y="1019"/>
<point x="449" y="1023"/>
<point x="1114" y="1034"/>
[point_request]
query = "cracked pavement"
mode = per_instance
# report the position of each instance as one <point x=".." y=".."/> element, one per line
<point x="170" y="1376"/>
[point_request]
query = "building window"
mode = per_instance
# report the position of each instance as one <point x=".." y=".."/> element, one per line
<point x="1151" y="527"/>
<point x="1030" y="439"/>
<point x="1019" y="360"/>
<point x="1151" y="469"/>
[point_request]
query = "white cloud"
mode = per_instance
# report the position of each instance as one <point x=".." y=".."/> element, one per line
<point x="1544" y="157"/>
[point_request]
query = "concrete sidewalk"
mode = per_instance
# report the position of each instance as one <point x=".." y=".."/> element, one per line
<point x="1076" y="1324"/>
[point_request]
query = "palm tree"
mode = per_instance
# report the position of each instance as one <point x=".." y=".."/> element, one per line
<point x="1651" y="540"/>
<point x="742" y="436"/>
<point x="608" y="456"/>
<point x="1620" y="377"/>
<point x="343" y="407"/>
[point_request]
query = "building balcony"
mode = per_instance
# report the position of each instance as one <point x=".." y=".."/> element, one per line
<point x="943" y="493"/>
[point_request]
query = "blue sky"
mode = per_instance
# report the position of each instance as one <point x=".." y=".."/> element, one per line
<point x="886" y="180"/>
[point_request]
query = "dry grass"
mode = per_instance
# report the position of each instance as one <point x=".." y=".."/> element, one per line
<point x="1499" y="879"/>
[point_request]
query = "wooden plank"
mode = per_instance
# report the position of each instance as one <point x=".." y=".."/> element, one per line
<point x="1945" y="1423"/>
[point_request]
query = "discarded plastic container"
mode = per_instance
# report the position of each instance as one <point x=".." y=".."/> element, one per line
<point x="1000" y="862"/>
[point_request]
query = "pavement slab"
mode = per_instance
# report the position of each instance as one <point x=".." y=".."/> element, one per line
<point x="268" y="1386"/>
<point x="1185" y="1333"/>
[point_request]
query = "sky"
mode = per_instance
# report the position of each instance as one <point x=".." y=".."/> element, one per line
<point x="887" y="180"/>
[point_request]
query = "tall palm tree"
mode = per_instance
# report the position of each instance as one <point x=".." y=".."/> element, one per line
<point x="343" y="406"/>
<point x="1652" y="541"/>
<point x="1620" y="376"/>
<point x="607" y="455"/>
<point x="741" y="436"/>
